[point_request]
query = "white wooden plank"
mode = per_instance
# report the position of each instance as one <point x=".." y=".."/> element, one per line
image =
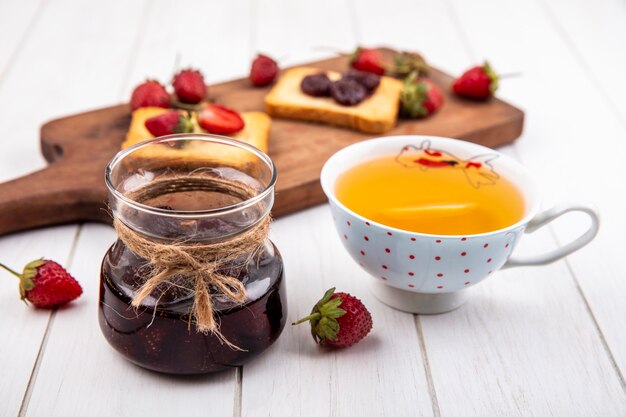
<point x="82" y="375"/>
<point x="35" y="96"/>
<point x="495" y="378"/>
<point x="409" y="25"/>
<point x="23" y="327"/>
<point x="596" y="35"/>
<point x="154" y="54"/>
<point x="523" y="345"/>
<point x="382" y="375"/>
<point x="16" y="18"/>
<point x="295" y="372"/>
<point x="589" y="147"/>
<point x="213" y="37"/>
<point x="600" y="271"/>
<point x="295" y="32"/>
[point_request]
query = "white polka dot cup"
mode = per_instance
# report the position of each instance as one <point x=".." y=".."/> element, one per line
<point x="430" y="274"/>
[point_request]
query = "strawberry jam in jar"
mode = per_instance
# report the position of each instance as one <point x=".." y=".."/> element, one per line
<point x="193" y="284"/>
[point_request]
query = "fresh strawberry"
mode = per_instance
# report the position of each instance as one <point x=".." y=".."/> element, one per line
<point x="149" y="93"/>
<point x="479" y="82"/>
<point x="263" y="71"/>
<point x="189" y="86"/>
<point x="368" y="60"/>
<point x="46" y="284"/>
<point x="419" y="97"/>
<point x="338" y="320"/>
<point x="219" y="119"/>
<point x="169" y="123"/>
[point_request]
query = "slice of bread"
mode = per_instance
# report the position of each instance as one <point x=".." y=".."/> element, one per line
<point x="375" y="114"/>
<point x="196" y="153"/>
<point x="256" y="131"/>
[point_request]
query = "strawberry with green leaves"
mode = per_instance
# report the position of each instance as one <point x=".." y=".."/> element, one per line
<point x="338" y="320"/>
<point x="479" y="82"/>
<point x="419" y="97"/>
<point x="46" y="284"/>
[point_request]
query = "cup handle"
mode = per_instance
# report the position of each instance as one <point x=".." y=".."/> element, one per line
<point x="546" y="217"/>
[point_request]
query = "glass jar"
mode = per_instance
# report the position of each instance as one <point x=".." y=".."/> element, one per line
<point x="170" y="191"/>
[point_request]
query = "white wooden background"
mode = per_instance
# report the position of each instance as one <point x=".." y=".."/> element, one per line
<point x="547" y="341"/>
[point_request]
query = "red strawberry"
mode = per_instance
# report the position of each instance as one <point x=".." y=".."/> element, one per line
<point x="419" y="97"/>
<point x="219" y="119"/>
<point x="338" y="320"/>
<point x="263" y="71"/>
<point x="46" y="284"/>
<point x="479" y="82"/>
<point x="149" y="93"/>
<point x="368" y="60"/>
<point x="189" y="86"/>
<point x="169" y="123"/>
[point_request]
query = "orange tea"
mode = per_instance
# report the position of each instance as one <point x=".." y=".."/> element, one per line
<point x="431" y="192"/>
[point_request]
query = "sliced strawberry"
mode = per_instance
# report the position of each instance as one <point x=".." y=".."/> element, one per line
<point x="169" y="123"/>
<point x="219" y="119"/>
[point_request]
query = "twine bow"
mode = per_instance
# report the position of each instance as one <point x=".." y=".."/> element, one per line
<point x="201" y="263"/>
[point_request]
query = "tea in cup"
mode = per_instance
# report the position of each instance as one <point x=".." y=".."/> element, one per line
<point x="429" y="217"/>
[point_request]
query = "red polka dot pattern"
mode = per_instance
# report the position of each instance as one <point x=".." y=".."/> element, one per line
<point x="450" y="260"/>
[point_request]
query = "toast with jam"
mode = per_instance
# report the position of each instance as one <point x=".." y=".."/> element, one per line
<point x="255" y="132"/>
<point x="355" y="99"/>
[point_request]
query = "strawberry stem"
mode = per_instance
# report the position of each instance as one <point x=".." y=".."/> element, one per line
<point x="10" y="270"/>
<point x="313" y="316"/>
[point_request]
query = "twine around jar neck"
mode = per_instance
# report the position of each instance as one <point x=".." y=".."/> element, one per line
<point x="200" y="263"/>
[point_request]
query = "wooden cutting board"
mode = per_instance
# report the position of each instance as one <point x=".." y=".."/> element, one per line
<point x="79" y="147"/>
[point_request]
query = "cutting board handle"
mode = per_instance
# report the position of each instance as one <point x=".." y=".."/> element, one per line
<point x="57" y="194"/>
